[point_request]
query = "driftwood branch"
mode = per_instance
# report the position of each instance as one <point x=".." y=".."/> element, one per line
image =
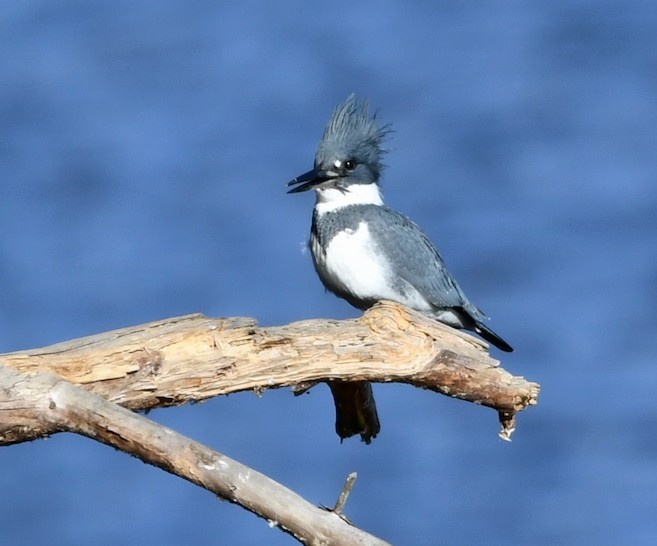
<point x="192" y="358"/>
<point x="68" y="408"/>
<point x="79" y="386"/>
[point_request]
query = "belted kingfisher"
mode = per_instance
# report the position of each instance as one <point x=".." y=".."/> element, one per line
<point x="364" y="251"/>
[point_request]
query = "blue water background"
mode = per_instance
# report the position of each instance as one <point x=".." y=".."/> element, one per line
<point x="144" y="148"/>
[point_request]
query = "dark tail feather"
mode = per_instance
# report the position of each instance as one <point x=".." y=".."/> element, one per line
<point x="355" y="410"/>
<point x="492" y="337"/>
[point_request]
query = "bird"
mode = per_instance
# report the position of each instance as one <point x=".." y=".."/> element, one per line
<point x="364" y="251"/>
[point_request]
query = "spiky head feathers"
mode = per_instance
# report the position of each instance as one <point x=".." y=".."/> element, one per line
<point x="352" y="135"/>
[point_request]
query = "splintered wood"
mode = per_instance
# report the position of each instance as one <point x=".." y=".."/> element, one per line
<point x="192" y="358"/>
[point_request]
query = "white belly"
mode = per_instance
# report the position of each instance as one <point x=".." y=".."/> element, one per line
<point x="353" y="263"/>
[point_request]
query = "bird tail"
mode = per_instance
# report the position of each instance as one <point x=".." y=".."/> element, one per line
<point x="355" y="410"/>
<point x="492" y="337"/>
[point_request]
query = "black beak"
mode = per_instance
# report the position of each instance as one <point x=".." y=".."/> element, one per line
<point x="309" y="180"/>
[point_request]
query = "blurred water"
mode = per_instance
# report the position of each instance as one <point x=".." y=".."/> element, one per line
<point x="143" y="157"/>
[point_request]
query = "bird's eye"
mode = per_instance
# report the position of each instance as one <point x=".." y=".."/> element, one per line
<point x="350" y="164"/>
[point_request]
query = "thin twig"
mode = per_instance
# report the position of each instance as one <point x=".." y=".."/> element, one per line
<point x="344" y="495"/>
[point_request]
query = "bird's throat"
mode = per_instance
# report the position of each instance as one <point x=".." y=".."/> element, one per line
<point x="331" y="199"/>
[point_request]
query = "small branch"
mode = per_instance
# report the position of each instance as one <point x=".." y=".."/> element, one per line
<point x="65" y="407"/>
<point x="193" y="358"/>
<point x="344" y="494"/>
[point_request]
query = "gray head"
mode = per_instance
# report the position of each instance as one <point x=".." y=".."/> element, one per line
<point x="350" y="151"/>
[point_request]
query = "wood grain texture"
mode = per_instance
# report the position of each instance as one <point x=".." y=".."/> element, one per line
<point x="192" y="358"/>
<point x="89" y="385"/>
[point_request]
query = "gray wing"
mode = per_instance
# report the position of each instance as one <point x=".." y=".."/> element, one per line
<point x="416" y="261"/>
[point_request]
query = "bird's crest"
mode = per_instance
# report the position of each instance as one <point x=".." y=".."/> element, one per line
<point x="351" y="131"/>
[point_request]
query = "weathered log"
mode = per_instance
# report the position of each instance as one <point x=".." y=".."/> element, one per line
<point x="192" y="358"/>
<point x="79" y="386"/>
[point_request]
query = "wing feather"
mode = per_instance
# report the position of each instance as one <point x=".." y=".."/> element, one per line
<point x="415" y="260"/>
